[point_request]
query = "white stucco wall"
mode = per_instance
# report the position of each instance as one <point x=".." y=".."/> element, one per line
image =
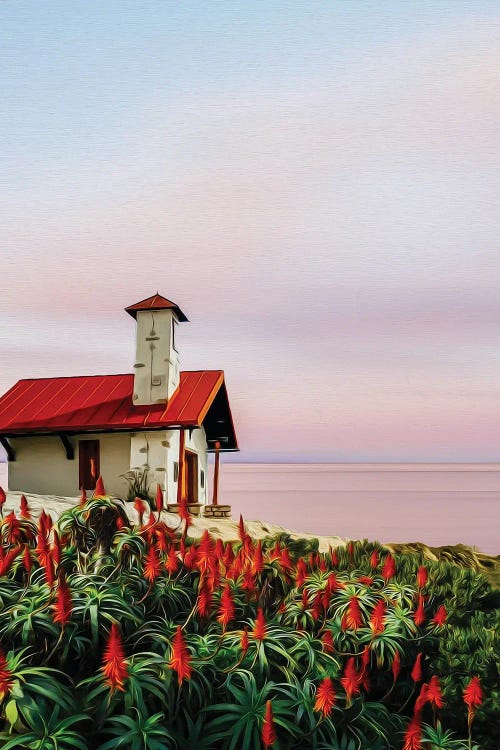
<point x="156" y="365"/>
<point x="160" y="450"/>
<point x="41" y="466"/>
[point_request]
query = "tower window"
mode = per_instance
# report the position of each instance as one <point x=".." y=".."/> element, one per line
<point x="202" y="479"/>
<point x="176" y="471"/>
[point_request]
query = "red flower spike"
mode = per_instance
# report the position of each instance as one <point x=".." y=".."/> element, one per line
<point x="159" y="498"/>
<point x="334" y="557"/>
<point x="152" y="565"/>
<point x="419" y="614"/>
<point x="6" y="676"/>
<point x="325" y="697"/>
<point x="27" y="564"/>
<point x="350" y="550"/>
<point x="434" y="694"/>
<point x="260" y="630"/>
<point x="472" y="695"/>
<point x="139" y="509"/>
<point x="327" y="641"/>
<point x="56" y="550"/>
<point x="300" y="573"/>
<point x="389" y="568"/>
<point x="204" y="601"/>
<point x="99" y="488"/>
<point x="180" y="658"/>
<point x="365" y="658"/>
<point x="63" y="606"/>
<point x="83" y="497"/>
<point x="285" y="561"/>
<point x="322" y="564"/>
<point x="440" y="617"/>
<point x="24" y="508"/>
<point x="377" y="619"/>
<point x="351" y="680"/>
<point x="3" y="498"/>
<point x="422" y="576"/>
<point x="114" y="667"/>
<point x="268" y="730"/>
<point x="421" y="700"/>
<point x="120" y="523"/>
<point x="396" y="665"/>
<point x="258" y="559"/>
<point x="374" y="559"/>
<point x="242" y="532"/>
<point x="416" y="672"/>
<point x="413" y="735"/>
<point x="6" y="561"/>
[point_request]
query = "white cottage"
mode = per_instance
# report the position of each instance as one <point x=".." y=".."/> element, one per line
<point x="61" y="433"/>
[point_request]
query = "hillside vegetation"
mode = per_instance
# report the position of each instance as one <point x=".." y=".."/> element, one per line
<point x="121" y="634"/>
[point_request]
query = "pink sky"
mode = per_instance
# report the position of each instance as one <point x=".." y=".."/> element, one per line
<point x="316" y="192"/>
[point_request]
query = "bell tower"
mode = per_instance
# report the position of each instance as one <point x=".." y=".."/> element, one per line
<point x="156" y="367"/>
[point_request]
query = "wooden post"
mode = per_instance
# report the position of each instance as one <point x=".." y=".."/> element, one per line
<point x="180" y="477"/>
<point x="216" y="472"/>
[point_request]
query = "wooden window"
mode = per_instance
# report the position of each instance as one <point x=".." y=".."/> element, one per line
<point x="191" y="476"/>
<point x="89" y="463"/>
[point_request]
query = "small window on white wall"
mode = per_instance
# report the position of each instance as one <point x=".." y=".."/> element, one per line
<point x="202" y="479"/>
<point x="176" y="471"/>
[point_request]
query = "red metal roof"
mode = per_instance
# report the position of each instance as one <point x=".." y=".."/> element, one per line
<point x="104" y="403"/>
<point x="156" y="302"/>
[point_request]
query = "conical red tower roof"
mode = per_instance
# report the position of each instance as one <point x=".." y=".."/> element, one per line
<point x="156" y="302"/>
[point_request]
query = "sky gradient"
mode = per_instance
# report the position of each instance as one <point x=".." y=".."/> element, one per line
<point x="315" y="184"/>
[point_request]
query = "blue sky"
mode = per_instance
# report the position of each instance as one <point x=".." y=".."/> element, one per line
<point x="314" y="183"/>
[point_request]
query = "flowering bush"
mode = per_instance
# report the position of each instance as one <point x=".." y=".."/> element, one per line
<point x="122" y="636"/>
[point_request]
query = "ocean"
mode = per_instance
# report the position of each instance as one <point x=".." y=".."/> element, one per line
<point x="437" y="504"/>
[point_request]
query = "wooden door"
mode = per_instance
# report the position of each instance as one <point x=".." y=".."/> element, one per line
<point x="191" y="474"/>
<point x="89" y="459"/>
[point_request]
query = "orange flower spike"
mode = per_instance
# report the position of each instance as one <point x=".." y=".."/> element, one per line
<point x="377" y="619"/>
<point x="244" y="640"/>
<point x="24" y="508"/>
<point x="268" y="729"/>
<point x="389" y="568"/>
<point x="325" y="697"/>
<point x="260" y="629"/>
<point x="114" y="667"/>
<point x="63" y="606"/>
<point x="396" y="665"/>
<point x="205" y="599"/>
<point x="180" y="658"/>
<point x="422" y="576"/>
<point x="365" y="658"/>
<point x="473" y="697"/>
<point x="416" y="672"/>
<point x="413" y="735"/>
<point x="99" y="488"/>
<point x="353" y="618"/>
<point x="83" y="497"/>
<point x="152" y="565"/>
<point x="226" y="609"/>
<point x="419" y="614"/>
<point x="434" y="694"/>
<point x="6" y="676"/>
<point x="440" y="617"/>
<point x="172" y="561"/>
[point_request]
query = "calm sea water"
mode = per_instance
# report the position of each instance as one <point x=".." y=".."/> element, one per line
<point x="433" y="503"/>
